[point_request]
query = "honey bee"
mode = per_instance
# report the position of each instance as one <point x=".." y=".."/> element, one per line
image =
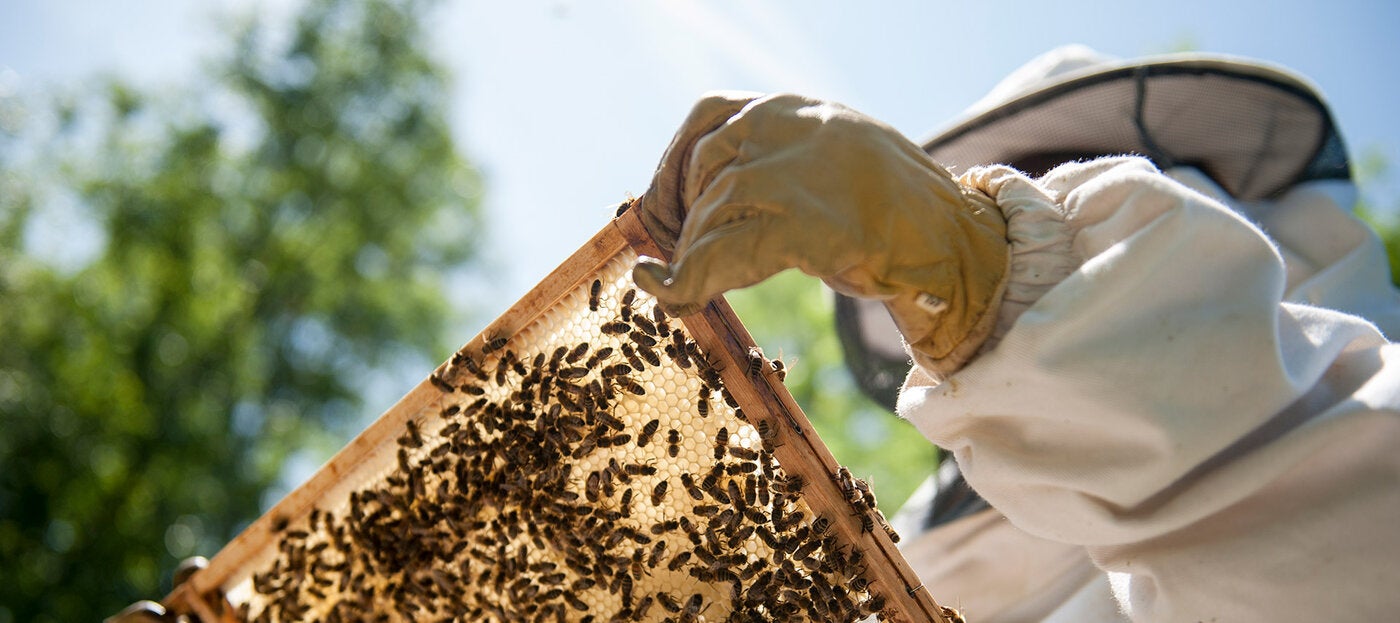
<point x="598" y="356"/>
<point x="649" y="355"/>
<point x="607" y="419"/>
<point x="721" y="442"/>
<point x="441" y="384"/>
<point x="755" y="361"/>
<point x="576" y="354"/>
<point x="648" y="430"/>
<point x="767" y="434"/>
<point x="593" y="485"/>
<point x="593" y="292"/>
<point x="743" y="453"/>
<point x="575" y="602"/>
<point x="493" y="344"/>
<point x="631" y="386"/>
<point x="640" y="612"/>
<point x="642" y="339"/>
<point x="889" y="531"/>
<point x="677" y="561"/>
<point x="703" y="405"/>
<point x="673" y="441"/>
<point x="573" y="373"/>
<point x="659" y="492"/>
<point x="631" y="355"/>
<point x="688" y="483"/>
<point x="656" y="552"/>
<point x="645" y="325"/>
<point x="627" y="299"/>
<point x="414" y="438"/>
<point x="615" y="328"/>
<point x="625" y="505"/>
<point x="666" y="600"/>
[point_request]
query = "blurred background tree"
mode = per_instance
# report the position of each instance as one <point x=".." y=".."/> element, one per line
<point x="262" y="245"/>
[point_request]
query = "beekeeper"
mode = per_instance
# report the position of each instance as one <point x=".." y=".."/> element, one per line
<point x="1163" y="362"/>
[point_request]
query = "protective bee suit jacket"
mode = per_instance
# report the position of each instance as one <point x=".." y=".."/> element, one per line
<point x="1189" y="402"/>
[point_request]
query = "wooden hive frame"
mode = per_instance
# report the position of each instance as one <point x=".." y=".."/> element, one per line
<point x="796" y="446"/>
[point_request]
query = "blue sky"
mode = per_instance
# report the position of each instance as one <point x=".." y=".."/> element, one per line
<point x="566" y="106"/>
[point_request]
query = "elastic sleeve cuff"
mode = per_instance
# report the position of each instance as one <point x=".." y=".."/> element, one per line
<point x="1040" y="238"/>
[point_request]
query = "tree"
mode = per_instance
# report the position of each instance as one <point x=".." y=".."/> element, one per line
<point x="255" y="264"/>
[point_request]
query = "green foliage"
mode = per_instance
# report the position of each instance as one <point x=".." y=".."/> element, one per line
<point x="255" y="262"/>
<point x="791" y="316"/>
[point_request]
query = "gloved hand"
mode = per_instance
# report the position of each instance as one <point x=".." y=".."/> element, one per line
<point x="753" y="185"/>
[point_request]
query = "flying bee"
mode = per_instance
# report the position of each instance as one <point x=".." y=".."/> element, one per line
<point x="576" y="354"/>
<point x="673" y="441"/>
<point x="593" y="292"/>
<point x="721" y="442"/>
<point x="778" y="369"/>
<point x="659" y="493"/>
<point x="648" y="430"/>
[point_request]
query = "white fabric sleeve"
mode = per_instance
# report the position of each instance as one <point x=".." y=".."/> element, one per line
<point x="1148" y="395"/>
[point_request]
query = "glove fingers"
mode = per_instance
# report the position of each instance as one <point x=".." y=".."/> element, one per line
<point x="718" y="261"/>
<point x="663" y="206"/>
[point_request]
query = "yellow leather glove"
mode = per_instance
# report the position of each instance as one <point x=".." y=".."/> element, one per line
<point x="753" y="185"/>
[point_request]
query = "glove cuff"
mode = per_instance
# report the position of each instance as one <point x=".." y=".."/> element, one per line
<point x="947" y="324"/>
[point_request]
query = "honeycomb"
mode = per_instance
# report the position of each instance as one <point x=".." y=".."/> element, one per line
<point x="589" y="466"/>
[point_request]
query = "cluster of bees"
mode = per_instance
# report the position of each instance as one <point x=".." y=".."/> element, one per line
<point x="592" y="468"/>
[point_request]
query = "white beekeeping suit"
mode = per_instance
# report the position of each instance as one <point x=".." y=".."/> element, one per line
<point x="1214" y="419"/>
<point x="1174" y="389"/>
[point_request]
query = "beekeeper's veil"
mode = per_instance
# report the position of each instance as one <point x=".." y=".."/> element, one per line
<point x="1255" y="128"/>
